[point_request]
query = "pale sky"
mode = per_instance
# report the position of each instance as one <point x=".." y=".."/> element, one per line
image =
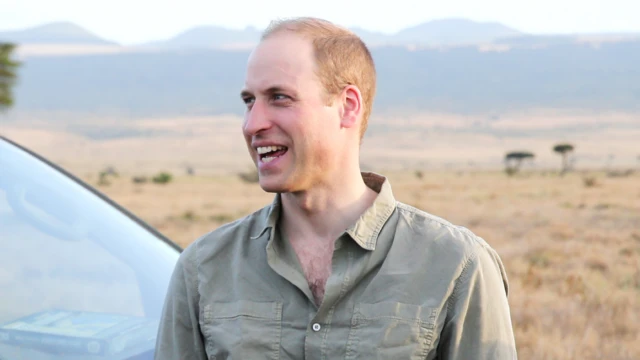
<point x="137" y="21"/>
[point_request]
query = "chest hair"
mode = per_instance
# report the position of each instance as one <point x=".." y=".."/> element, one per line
<point x="315" y="258"/>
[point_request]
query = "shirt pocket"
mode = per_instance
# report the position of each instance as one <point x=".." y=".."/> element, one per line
<point x="243" y="330"/>
<point x="391" y="330"/>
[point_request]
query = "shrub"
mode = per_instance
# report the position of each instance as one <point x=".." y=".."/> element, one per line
<point x="139" y="179"/>
<point x="162" y="178"/>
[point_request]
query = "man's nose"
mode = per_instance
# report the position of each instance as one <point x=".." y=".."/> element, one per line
<point x="256" y="119"/>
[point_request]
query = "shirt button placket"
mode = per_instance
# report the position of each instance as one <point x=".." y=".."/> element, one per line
<point x="313" y="343"/>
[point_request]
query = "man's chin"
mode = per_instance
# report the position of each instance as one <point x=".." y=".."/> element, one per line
<point x="272" y="184"/>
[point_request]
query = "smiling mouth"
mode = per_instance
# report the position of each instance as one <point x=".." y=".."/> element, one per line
<point x="269" y="153"/>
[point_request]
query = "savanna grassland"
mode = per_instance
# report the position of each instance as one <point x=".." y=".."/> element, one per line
<point x="571" y="244"/>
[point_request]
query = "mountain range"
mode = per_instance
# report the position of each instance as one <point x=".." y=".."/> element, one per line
<point x="477" y="68"/>
<point x="438" y="32"/>
<point x="68" y="38"/>
<point x="460" y="80"/>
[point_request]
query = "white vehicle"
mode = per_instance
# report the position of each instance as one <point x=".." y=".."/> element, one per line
<point x="80" y="277"/>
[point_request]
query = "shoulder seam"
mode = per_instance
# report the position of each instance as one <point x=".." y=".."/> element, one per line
<point x="431" y="217"/>
<point x="438" y="220"/>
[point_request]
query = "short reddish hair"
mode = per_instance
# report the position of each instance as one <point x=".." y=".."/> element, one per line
<point x="342" y="57"/>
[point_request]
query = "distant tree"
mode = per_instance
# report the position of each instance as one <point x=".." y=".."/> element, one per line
<point x="564" y="150"/>
<point x="8" y="75"/>
<point x="513" y="161"/>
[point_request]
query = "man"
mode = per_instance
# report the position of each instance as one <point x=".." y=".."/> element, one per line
<point x="335" y="267"/>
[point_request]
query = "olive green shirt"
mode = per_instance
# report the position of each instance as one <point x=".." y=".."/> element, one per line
<point x="404" y="285"/>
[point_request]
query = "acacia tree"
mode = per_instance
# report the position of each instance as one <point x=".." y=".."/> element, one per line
<point x="564" y="150"/>
<point x="513" y="161"/>
<point x="8" y="75"/>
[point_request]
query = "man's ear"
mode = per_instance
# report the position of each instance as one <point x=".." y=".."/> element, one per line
<point x="351" y="106"/>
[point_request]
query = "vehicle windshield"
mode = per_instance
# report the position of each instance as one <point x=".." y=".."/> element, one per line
<point x="79" y="279"/>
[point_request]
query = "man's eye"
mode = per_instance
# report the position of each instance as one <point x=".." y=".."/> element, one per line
<point x="247" y="100"/>
<point x="279" y="97"/>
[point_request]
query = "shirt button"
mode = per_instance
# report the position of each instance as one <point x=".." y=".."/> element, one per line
<point x="316" y="327"/>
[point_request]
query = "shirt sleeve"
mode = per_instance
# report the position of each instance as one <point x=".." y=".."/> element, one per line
<point x="179" y="336"/>
<point x="478" y="323"/>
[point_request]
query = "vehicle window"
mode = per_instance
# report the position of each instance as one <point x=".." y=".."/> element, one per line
<point x="78" y="278"/>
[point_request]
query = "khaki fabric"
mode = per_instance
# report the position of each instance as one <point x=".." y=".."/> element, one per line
<point x="404" y="285"/>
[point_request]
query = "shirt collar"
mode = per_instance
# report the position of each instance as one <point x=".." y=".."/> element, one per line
<point x="365" y="230"/>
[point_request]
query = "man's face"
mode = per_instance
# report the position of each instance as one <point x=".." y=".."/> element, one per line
<point x="293" y="136"/>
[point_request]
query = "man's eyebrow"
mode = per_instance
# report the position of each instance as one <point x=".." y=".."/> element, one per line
<point x="271" y="90"/>
<point x="276" y="89"/>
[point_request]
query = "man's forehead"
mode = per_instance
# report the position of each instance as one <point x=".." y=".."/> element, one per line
<point x="274" y="63"/>
<point x="260" y="78"/>
<point x="281" y="57"/>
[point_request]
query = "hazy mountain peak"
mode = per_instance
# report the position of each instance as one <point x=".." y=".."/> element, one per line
<point x="455" y="31"/>
<point x="211" y="36"/>
<point x="62" y="32"/>
<point x="62" y="28"/>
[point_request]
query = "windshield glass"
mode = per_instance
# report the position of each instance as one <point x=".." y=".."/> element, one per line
<point x="78" y="278"/>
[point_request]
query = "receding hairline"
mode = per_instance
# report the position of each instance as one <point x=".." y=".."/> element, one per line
<point x="300" y="24"/>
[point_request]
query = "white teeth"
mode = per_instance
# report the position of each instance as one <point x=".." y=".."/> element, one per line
<point x="266" y="149"/>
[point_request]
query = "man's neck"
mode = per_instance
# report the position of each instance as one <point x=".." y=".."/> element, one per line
<point x="328" y="210"/>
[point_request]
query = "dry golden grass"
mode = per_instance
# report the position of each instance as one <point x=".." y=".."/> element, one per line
<point x="214" y="144"/>
<point x="571" y="251"/>
<point x="571" y="244"/>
